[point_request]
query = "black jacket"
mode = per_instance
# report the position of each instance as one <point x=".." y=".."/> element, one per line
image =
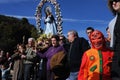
<point x="116" y="58"/>
<point x="77" y="48"/>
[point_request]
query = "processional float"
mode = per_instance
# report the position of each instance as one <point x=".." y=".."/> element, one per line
<point x="58" y="17"/>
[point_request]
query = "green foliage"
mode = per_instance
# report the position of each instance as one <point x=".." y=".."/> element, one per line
<point x="12" y="31"/>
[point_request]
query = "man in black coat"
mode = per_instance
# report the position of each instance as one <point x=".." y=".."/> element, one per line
<point x="78" y="45"/>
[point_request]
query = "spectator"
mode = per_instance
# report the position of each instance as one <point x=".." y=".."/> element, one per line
<point x="3" y="58"/>
<point x="108" y="38"/>
<point x="108" y="34"/>
<point x="55" y="48"/>
<point x="78" y="46"/>
<point x="43" y="46"/>
<point x="89" y="30"/>
<point x="6" y="71"/>
<point x="29" y="59"/>
<point x="114" y="27"/>
<point x="63" y="42"/>
<point x="18" y="63"/>
<point x="7" y="55"/>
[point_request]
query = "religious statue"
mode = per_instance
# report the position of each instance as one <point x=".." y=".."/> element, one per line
<point x="50" y="24"/>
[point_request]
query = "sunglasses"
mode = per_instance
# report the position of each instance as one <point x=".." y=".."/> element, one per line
<point x="46" y="43"/>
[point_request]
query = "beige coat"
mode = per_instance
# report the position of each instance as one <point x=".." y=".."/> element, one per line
<point x="17" y="67"/>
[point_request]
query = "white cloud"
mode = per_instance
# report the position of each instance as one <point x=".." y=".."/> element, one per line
<point x="66" y="19"/>
<point x="17" y="16"/>
<point x="85" y="21"/>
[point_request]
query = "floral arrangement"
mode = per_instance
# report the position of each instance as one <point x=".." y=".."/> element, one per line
<point x="41" y="41"/>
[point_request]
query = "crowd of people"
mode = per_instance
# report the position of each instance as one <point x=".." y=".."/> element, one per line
<point x="71" y="58"/>
<point x="57" y="58"/>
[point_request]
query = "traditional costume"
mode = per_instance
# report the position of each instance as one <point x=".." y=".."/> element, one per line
<point x="96" y="62"/>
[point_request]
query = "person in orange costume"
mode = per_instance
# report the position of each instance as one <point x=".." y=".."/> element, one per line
<point x="96" y="62"/>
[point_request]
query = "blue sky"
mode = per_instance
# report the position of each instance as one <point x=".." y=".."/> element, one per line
<point x="77" y="14"/>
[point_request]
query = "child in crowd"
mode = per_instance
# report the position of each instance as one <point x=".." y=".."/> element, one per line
<point x="5" y="71"/>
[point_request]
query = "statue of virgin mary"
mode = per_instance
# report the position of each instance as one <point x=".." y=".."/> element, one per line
<point x="50" y="24"/>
